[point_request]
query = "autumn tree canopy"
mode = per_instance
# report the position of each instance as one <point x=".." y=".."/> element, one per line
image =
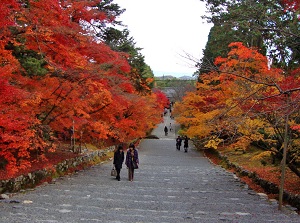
<point x="55" y="74"/>
<point x="270" y="26"/>
<point x="244" y="102"/>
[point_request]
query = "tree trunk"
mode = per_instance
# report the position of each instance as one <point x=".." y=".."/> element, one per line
<point x="283" y="163"/>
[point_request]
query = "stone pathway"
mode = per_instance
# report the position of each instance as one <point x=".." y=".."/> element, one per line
<point x="170" y="186"/>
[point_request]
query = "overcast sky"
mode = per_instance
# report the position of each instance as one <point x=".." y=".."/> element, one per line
<point x="167" y="29"/>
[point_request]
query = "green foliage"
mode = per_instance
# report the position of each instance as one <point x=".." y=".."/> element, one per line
<point x="248" y="105"/>
<point x="121" y="41"/>
<point x="220" y="36"/>
<point x="111" y="9"/>
<point x="266" y="25"/>
<point x="148" y="73"/>
<point x="34" y="66"/>
<point x="172" y="82"/>
<point x="32" y="62"/>
<point x="54" y="73"/>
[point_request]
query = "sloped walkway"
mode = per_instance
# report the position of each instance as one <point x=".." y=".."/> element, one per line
<point x="170" y="186"/>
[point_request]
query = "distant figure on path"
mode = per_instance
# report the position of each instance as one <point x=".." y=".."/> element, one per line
<point x="118" y="161"/>
<point x="170" y="127"/>
<point x="132" y="157"/>
<point x="165" y="111"/>
<point x="186" y="144"/>
<point x="166" y="130"/>
<point x="178" y="142"/>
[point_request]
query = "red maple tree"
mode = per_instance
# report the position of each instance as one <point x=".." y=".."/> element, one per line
<point x="56" y="77"/>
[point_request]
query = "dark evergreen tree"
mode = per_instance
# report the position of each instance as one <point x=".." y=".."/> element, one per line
<point x="267" y="25"/>
<point x="217" y="45"/>
<point x="121" y="41"/>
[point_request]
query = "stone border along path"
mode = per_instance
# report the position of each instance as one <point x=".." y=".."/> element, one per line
<point x="170" y="186"/>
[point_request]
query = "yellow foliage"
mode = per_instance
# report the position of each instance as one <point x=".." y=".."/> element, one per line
<point x="242" y="143"/>
<point x="234" y="102"/>
<point x="263" y="155"/>
<point x="213" y="143"/>
<point x="250" y="127"/>
<point x="199" y="124"/>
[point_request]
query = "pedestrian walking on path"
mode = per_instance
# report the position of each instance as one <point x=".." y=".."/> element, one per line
<point x="132" y="161"/>
<point x="172" y="188"/>
<point x="166" y="130"/>
<point x="178" y="142"/>
<point x="118" y="161"/>
<point x="186" y="144"/>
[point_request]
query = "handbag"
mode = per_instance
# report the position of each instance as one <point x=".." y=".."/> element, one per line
<point x="135" y="165"/>
<point x="113" y="172"/>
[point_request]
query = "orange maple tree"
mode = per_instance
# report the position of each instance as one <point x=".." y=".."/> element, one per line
<point x="244" y="102"/>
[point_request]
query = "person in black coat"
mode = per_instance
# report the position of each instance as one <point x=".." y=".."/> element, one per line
<point x="186" y="144"/>
<point x="166" y="130"/>
<point x="118" y="161"/>
<point x="178" y="142"/>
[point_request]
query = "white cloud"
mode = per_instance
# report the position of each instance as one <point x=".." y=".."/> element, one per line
<point x="165" y="29"/>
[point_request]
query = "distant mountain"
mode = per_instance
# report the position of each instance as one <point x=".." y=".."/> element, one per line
<point x="170" y="77"/>
<point x="187" y="78"/>
<point x="165" y="77"/>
